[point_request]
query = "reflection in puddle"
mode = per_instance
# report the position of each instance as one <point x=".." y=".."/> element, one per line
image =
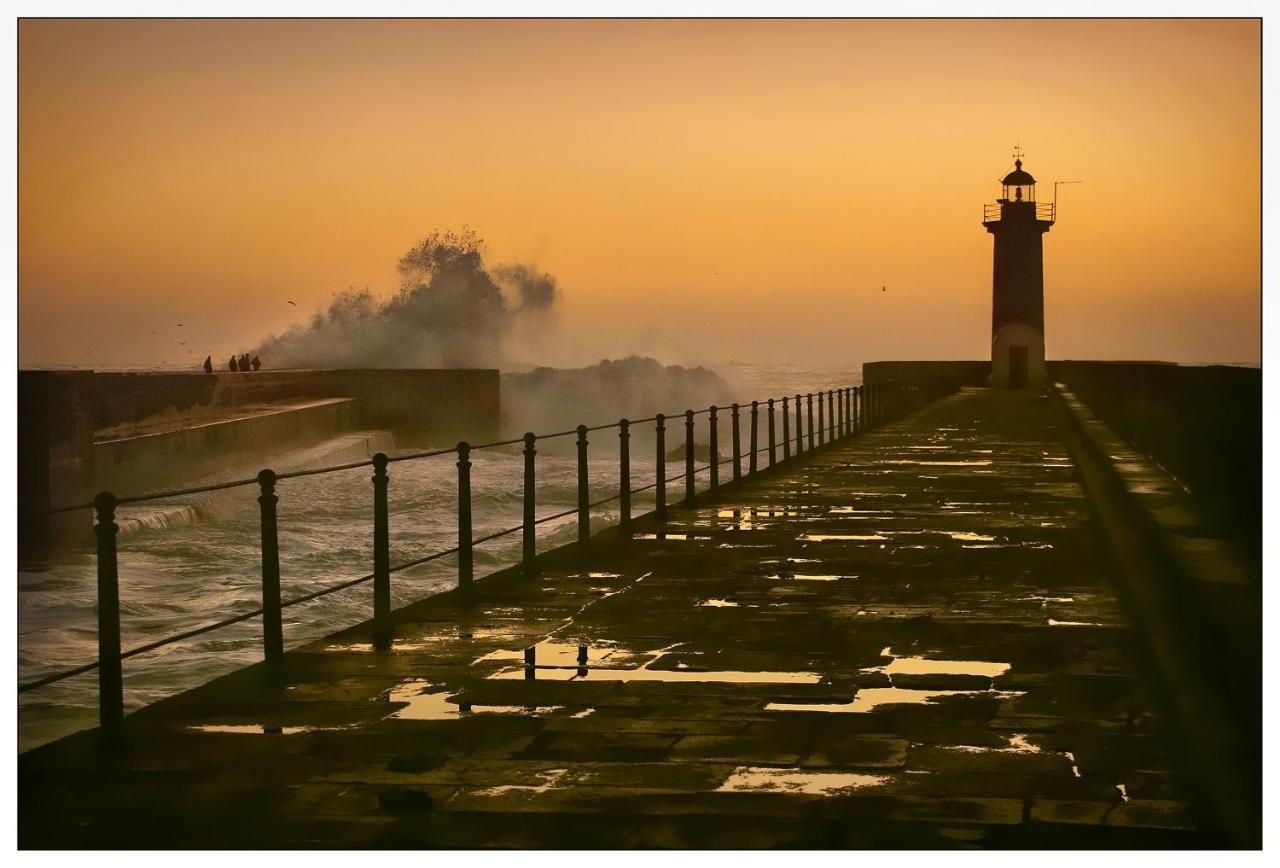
<point x="550" y="779"/>
<point x="1124" y="791"/>
<point x="549" y="652"/>
<point x="1018" y="743"/>
<point x="1054" y="622"/>
<point x="420" y="704"/>
<point x="260" y="729"/>
<point x="663" y="535"/>
<point x="925" y="666"/>
<point x="748" y="779"/>
<point x="718" y="604"/>
<point x="808" y="577"/>
<point x="827" y="537"/>
<point x="983" y="463"/>
<point x="580" y="669"/>
<point x="871" y="698"/>
<point x="968" y="536"/>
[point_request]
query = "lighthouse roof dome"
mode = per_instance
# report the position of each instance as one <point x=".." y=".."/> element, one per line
<point x="1018" y="178"/>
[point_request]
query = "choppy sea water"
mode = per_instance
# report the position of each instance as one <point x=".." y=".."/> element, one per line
<point x="187" y="562"/>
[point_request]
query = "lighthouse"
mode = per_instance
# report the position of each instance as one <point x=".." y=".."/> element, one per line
<point x="1018" y="223"/>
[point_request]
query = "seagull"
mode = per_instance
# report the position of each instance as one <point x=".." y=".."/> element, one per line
<point x="882" y="289"/>
<point x="295" y="304"/>
<point x="179" y="325"/>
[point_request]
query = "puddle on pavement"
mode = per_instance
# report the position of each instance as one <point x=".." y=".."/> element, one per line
<point x="662" y="535"/>
<point x="1054" y="622"/>
<point x="421" y="703"/>
<point x="718" y="604"/>
<point x="808" y="577"/>
<point x="260" y="729"/>
<point x="1017" y="743"/>
<point x="870" y="698"/>
<point x="551" y="779"/>
<point x="925" y="666"/>
<point x="576" y="670"/>
<point x="926" y="463"/>
<point x="551" y="652"/>
<point x="841" y="537"/>
<point x="763" y="779"/>
<point x="1124" y="791"/>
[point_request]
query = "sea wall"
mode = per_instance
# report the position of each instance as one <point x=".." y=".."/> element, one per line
<point x="958" y="373"/>
<point x="442" y="405"/>
<point x="172" y="459"/>
<point x="62" y="413"/>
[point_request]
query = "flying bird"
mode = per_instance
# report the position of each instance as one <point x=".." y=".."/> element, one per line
<point x="882" y="289"/>
<point x="295" y="304"/>
<point x="179" y="325"/>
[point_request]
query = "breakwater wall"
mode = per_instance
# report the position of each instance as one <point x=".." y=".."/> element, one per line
<point x="172" y="459"/>
<point x="63" y="414"/>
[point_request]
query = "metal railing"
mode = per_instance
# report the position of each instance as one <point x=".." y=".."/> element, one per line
<point x="841" y="413"/>
<point x="993" y="212"/>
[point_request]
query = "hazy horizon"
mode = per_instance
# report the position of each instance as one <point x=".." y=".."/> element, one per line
<point x="701" y="191"/>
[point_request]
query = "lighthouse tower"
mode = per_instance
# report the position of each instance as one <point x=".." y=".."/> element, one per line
<point x="1018" y="223"/>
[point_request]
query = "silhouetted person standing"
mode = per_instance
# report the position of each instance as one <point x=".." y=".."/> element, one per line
<point x="255" y="363"/>
<point x="208" y="364"/>
<point x="244" y="363"/>
<point x="232" y="364"/>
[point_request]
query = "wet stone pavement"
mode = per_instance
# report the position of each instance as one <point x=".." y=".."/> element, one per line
<point x="909" y="640"/>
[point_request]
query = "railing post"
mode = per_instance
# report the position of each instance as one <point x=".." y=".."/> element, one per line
<point x="272" y="620"/>
<point x="786" y="430"/>
<point x="690" y="493"/>
<point x="799" y="428"/>
<point x="773" y="449"/>
<point x="530" y="530"/>
<point x="624" y="476"/>
<point x="110" y="676"/>
<point x="754" y="445"/>
<point x="737" y="448"/>
<point x="381" y="547"/>
<point x="466" y="559"/>
<point x="831" y="415"/>
<point x="660" y="485"/>
<point x="713" y="424"/>
<point x="848" y="410"/>
<point x="859" y="410"/>
<point x="821" y="424"/>
<point x="584" y="500"/>
<point x="809" y="403"/>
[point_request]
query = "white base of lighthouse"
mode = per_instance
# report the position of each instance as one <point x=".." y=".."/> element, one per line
<point x="1017" y="358"/>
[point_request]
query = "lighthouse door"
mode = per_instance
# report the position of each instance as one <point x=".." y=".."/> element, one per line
<point x="1017" y="367"/>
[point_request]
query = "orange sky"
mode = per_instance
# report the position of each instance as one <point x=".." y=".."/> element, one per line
<point x="702" y="190"/>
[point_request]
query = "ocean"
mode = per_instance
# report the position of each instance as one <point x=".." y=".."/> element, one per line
<point x="186" y="562"/>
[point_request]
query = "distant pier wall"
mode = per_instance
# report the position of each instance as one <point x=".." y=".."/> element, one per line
<point x="170" y="459"/>
<point x="961" y="373"/>
<point x="442" y="405"/>
<point x="80" y="432"/>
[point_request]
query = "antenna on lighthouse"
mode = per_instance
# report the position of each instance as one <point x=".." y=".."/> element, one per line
<point x="1056" y="185"/>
